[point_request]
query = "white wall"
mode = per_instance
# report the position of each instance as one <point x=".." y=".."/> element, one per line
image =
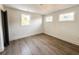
<point x="16" y="30"/>
<point x="1" y="32"/>
<point x="67" y="31"/>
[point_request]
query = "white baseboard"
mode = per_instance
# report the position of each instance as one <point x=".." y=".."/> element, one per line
<point x="16" y="38"/>
<point x="1" y="49"/>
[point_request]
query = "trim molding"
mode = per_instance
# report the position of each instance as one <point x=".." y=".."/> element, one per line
<point x="1" y="49"/>
<point x="61" y="39"/>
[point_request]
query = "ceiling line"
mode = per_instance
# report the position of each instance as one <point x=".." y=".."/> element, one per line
<point x="62" y="9"/>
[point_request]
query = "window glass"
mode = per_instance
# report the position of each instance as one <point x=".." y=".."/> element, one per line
<point x="25" y="19"/>
<point x="67" y="17"/>
<point x="49" y="18"/>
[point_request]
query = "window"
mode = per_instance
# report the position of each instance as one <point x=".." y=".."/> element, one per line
<point x="49" y="19"/>
<point x="67" y="17"/>
<point x="25" y="19"/>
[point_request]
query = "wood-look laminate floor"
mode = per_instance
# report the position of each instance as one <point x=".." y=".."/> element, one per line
<point x="41" y="44"/>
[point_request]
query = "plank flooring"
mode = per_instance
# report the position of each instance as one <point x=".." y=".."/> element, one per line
<point x="41" y="44"/>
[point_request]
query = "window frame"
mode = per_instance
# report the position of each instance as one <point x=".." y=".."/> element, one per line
<point x="71" y="16"/>
<point x="49" y="18"/>
<point x="27" y="22"/>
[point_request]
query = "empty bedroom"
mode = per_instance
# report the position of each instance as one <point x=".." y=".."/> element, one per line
<point x="39" y="29"/>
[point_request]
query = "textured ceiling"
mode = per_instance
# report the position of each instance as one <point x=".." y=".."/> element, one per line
<point x="39" y="8"/>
